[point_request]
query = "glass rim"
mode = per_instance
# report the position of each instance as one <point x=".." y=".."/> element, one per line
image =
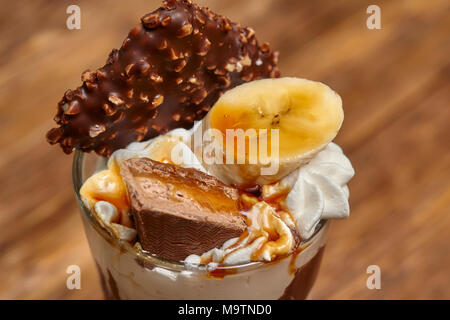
<point x="153" y="259"/>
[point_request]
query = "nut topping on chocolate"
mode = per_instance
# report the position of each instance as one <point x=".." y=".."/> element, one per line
<point x="146" y="83"/>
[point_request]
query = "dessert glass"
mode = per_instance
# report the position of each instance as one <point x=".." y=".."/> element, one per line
<point x="128" y="273"/>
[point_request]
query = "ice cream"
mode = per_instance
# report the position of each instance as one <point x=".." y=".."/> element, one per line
<point x="169" y="215"/>
<point x="280" y="220"/>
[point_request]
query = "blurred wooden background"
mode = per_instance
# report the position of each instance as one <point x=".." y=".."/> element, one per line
<point x="395" y="86"/>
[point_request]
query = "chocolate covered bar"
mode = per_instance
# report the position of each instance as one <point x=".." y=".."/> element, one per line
<point x="170" y="70"/>
<point x="179" y="211"/>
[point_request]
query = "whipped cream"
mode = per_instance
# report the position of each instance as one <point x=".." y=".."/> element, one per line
<point x="319" y="190"/>
<point x="108" y="216"/>
<point x="315" y="191"/>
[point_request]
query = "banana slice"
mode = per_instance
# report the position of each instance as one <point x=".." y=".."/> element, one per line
<point x="265" y="129"/>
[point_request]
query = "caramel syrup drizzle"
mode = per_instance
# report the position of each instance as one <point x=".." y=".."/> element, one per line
<point x="254" y="193"/>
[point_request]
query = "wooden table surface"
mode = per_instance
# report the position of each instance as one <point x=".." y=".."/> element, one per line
<point x="395" y="86"/>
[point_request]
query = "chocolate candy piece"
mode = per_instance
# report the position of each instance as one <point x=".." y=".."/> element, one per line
<point x="170" y="70"/>
<point x="178" y="211"/>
